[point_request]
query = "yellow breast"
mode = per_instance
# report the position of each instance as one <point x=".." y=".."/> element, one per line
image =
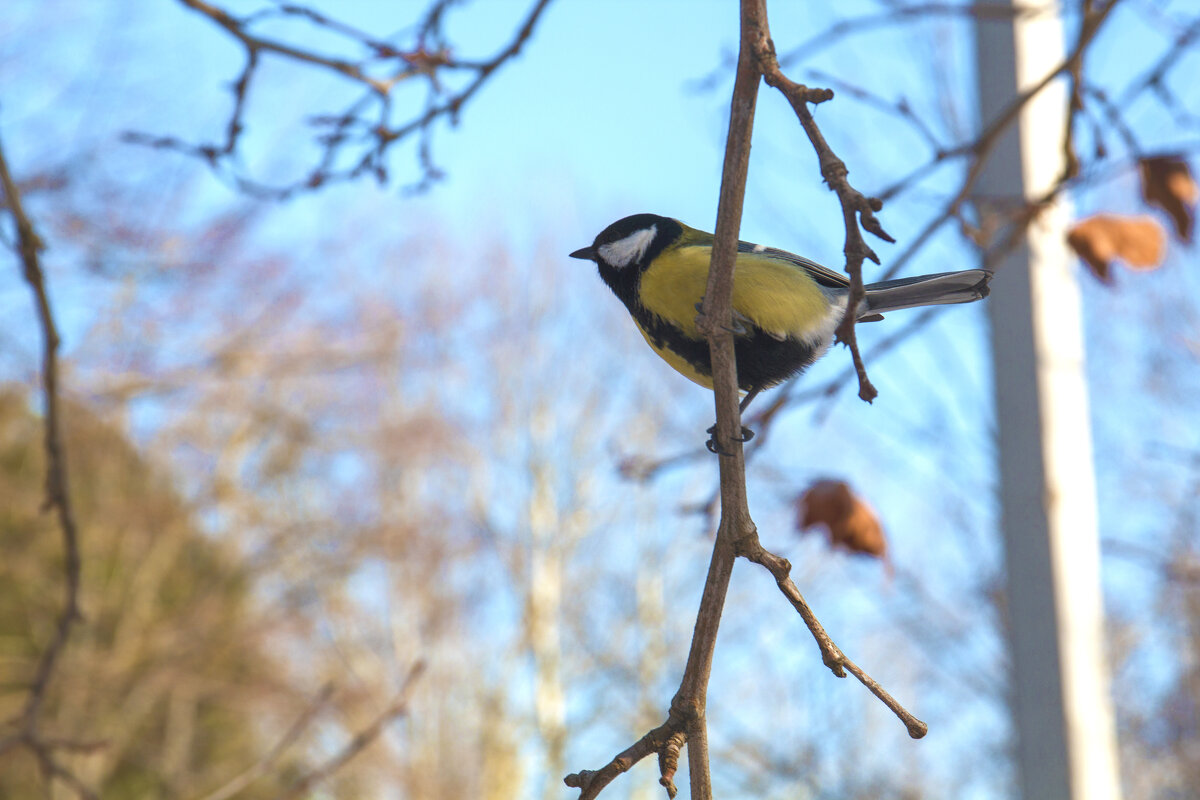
<point x="678" y="362"/>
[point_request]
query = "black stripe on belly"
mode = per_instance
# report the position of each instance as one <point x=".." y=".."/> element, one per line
<point x="762" y="360"/>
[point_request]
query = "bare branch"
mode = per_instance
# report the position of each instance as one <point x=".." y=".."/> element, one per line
<point x="664" y="740"/>
<point x="29" y="246"/>
<point x="857" y="209"/>
<point x="360" y="741"/>
<point x="687" y="714"/>
<point x="831" y="654"/>
<point x="264" y="765"/>
<point x="1157" y="74"/>
<point x="980" y="149"/>
<point x="354" y="143"/>
<point x="736" y="533"/>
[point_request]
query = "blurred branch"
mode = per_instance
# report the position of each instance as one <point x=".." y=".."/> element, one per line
<point x="256" y="44"/>
<point x="360" y="741"/>
<point x="264" y="765"/>
<point x="896" y="15"/>
<point x="365" y="131"/>
<point x="29" y="247"/>
<point x="1155" y="77"/>
<point x="979" y="150"/>
<point x="900" y="108"/>
<point x="865" y="23"/>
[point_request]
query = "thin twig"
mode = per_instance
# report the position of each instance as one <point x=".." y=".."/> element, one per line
<point x="980" y="149"/>
<point x="360" y="137"/>
<point x="1157" y="74"/>
<point x="254" y="44"/>
<point x="267" y="762"/>
<point x="857" y="209"/>
<point x="906" y="14"/>
<point x="900" y="108"/>
<point x="664" y="740"/>
<point x="360" y="741"/>
<point x="831" y="654"/>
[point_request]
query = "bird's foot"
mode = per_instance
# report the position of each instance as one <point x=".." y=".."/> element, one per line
<point x="711" y="444"/>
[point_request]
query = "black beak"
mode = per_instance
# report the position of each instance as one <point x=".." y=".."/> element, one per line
<point x="585" y="253"/>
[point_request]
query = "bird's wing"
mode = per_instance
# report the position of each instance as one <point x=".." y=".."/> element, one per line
<point x="821" y="274"/>
<point x="776" y="292"/>
<point x="782" y="300"/>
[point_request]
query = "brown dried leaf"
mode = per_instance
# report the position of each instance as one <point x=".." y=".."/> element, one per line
<point x="851" y="523"/>
<point x="1167" y="182"/>
<point x="1138" y="241"/>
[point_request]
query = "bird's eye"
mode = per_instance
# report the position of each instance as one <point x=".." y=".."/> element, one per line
<point x="632" y="248"/>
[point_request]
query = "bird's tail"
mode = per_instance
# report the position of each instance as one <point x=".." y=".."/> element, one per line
<point x="925" y="290"/>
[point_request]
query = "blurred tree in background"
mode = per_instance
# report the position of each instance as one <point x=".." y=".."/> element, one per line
<point x="163" y="689"/>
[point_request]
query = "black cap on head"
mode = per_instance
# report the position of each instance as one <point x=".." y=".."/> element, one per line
<point x="635" y="239"/>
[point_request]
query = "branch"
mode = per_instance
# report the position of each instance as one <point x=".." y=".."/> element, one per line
<point x="716" y="321"/>
<point x="264" y="764"/>
<point x="831" y="654"/>
<point x="355" y="143"/>
<point x="856" y="208"/>
<point x="665" y="740"/>
<point x="899" y="108"/>
<point x="1156" y="76"/>
<point x="980" y="149"/>
<point x="29" y="246"/>
<point x="360" y="741"/>
<point x="686" y="721"/>
<point x="255" y="44"/>
<point x="897" y="15"/>
<point x="736" y="533"/>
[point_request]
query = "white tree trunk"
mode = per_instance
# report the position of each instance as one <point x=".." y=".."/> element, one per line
<point x="1061" y="703"/>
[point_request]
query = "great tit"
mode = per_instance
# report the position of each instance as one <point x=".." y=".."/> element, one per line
<point x="785" y="307"/>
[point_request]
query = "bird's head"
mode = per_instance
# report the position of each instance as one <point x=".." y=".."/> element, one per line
<point x="630" y="244"/>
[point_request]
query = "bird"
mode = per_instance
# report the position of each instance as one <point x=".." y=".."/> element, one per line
<point x="785" y="307"/>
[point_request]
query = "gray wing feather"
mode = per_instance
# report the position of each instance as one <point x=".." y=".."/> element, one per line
<point x="821" y="274"/>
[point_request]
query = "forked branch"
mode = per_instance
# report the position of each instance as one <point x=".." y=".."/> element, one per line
<point x="736" y="533"/>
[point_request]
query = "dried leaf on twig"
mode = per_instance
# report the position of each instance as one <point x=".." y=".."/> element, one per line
<point x="1138" y="241"/>
<point x="851" y="523"/>
<point x="1167" y="182"/>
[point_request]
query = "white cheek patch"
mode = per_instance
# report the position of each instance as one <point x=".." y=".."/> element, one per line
<point x="623" y="252"/>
